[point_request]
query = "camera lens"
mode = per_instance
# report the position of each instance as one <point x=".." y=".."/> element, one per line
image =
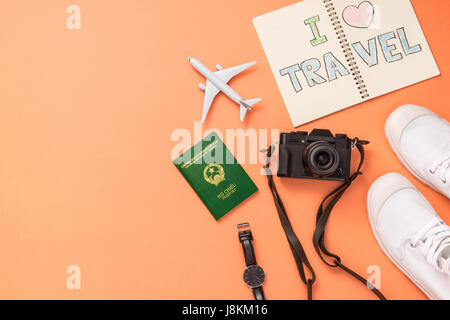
<point x="321" y="159"/>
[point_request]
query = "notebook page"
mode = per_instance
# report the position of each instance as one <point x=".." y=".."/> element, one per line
<point x="387" y="42"/>
<point x="286" y="36"/>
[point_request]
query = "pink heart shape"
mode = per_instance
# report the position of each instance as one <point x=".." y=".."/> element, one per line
<point x="360" y="16"/>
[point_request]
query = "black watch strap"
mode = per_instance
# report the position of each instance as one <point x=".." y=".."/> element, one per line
<point x="258" y="293"/>
<point x="246" y="239"/>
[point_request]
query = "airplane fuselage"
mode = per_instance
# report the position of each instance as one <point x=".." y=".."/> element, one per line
<point x="216" y="81"/>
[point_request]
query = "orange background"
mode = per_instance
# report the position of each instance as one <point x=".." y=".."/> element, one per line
<point x="86" y="177"/>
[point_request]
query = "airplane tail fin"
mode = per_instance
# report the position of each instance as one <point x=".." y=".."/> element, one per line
<point x="247" y="105"/>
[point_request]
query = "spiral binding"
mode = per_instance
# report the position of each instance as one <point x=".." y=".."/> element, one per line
<point x="336" y="23"/>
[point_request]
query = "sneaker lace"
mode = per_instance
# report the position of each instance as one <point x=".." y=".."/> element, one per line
<point x="441" y="168"/>
<point x="431" y="241"/>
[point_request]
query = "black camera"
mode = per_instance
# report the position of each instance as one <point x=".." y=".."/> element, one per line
<point x="318" y="155"/>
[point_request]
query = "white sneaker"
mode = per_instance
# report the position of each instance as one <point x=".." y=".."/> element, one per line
<point x="411" y="234"/>
<point x="421" y="140"/>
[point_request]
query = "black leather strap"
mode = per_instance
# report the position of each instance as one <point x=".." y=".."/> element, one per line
<point x="246" y="239"/>
<point x="321" y="221"/>
<point x="323" y="214"/>
<point x="258" y="293"/>
<point x="294" y="243"/>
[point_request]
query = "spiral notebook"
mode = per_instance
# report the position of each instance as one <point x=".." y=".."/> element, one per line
<point x="327" y="55"/>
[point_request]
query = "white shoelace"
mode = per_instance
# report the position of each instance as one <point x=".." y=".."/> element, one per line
<point x="431" y="241"/>
<point x="441" y="168"/>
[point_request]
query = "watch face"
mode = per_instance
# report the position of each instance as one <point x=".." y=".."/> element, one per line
<point x="254" y="276"/>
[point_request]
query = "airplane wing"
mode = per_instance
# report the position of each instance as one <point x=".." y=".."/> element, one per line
<point x="210" y="93"/>
<point x="227" y="74"/>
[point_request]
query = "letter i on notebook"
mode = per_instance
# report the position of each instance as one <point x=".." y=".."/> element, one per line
<point x="327" y="55"/>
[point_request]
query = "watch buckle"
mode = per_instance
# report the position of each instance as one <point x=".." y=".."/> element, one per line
<point x="243" y="225"/>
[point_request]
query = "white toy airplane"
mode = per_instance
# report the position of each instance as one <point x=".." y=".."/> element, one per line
<point x="217" y="82"/>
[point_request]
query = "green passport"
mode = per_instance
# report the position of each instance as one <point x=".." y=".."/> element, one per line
<point x="215" y="175"/>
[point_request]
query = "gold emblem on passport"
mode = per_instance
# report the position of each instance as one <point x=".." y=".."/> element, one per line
<point x="214" y="174"/>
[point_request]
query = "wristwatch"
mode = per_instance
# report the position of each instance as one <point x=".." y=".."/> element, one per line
<point x="254" y="275"/>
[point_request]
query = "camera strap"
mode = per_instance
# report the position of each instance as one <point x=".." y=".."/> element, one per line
<point x="323" y="213"/>
<point x="298" y="252"/>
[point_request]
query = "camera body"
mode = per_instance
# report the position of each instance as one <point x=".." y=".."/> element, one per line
<point x="318" y="155"/>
